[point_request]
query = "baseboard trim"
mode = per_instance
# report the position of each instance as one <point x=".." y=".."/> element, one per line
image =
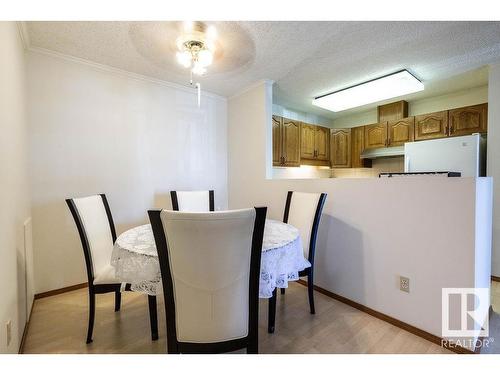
<point x="26" y="328"/>
<point x="495" y="278"/>
<point x="395" y="322"/>
<point x="60" y="291"/>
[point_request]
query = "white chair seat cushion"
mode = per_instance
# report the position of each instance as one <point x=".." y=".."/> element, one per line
<point x="106" y="276"/>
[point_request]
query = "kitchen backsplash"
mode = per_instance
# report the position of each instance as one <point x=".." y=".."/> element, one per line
<point x="394" y="165"/>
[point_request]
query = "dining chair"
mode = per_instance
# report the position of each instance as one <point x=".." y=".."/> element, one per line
<point x="303" y="211"/>
<point x="210" y="268"/>
<point x="95" y="225"/>
<point x="192" y="201"/>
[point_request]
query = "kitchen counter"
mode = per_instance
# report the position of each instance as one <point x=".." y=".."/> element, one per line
<point x="434" y="230"/>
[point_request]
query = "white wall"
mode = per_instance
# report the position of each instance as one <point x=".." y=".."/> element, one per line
<point x="372" y="230"/>
<point x="14" y="193"/>
<point x="476" y="95"/>
<point x="493" y="158"/>
<point x="94" y="130"/>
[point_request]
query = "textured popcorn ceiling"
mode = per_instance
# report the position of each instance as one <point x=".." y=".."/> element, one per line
<point x="305" y="59"/>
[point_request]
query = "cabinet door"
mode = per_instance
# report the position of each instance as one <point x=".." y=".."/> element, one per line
<point x="468" y="120"/>
<point x="431" y="125"/>
<point x="357" y="147"/>
<point x="277" y="140"/>
<point x="392" y="111"/>
<point x="307" y="149"/>
<point x="400" y="131"/>
<point x="322" y="143"/>
<point x="340" y="148"/>
<point x="376" y="135"/>
<point x="291" y="142"/>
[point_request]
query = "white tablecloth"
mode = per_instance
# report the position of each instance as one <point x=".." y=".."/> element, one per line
<point x="136" y="261"/>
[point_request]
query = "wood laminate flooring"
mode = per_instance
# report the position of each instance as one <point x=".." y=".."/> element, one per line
<point x="59" y="324"/>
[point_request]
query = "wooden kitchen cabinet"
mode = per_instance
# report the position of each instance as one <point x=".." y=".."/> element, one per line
<point x="340" y="148"/>
<point x="376" y="135"/>
<point x="291" y="143"/>
<point x="392" y="111"/>
<point x="431" y="125"/>
<point x="307" y="146"/>
<point x="286" y="142"/>
<point x="315" y="144"/>
<point x="277" y="156"/>
<point x="321" y="141"/>
<point x="357" y="147"/>
<point x="468" y="120"/>
<point x="400" y="131"/>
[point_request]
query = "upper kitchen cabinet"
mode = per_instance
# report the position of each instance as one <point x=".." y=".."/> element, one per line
<point x="322" y="138"/>
<point x="340" y="148"/>
<point x="468" y="120"/>
<point x="291" y="143"/>
<point x="286" y="142"/>
<point x="376" y="135"/>
<point x="357" y="147"/>
<point x="431" y="125"/>
<point x="392" y="111"/>
<point x="315" y="144"/>
<point x="307" y="146"/>
<point x="400" y="131"/>
<point x="277" y="141"/>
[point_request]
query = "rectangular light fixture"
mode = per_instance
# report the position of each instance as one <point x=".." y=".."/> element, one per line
<point x="386" y="87"/>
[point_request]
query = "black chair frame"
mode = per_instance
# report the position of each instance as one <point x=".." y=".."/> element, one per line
<point x="309" y="272"/>
<point x="249" y="342"/>
<point x="105" y="288"/>
<point x="175" y="202"/>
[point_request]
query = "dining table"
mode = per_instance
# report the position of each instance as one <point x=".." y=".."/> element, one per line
<point x="135" y="260"/>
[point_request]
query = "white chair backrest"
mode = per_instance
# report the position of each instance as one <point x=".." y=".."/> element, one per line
<point x="96" y="226"/>
<point x="301" y="215"/>
<point x="193" y="201"/>
<point x="209" y="258"/>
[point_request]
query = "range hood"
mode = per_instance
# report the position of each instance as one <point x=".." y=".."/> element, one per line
<point x="384" y="152"/>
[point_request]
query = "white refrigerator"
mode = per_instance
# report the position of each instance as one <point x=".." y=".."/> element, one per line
<point x="466" y="155"/>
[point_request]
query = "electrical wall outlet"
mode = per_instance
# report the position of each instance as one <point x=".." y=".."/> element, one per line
<point x="404" y="284"/>
<point x="8" y="329"/>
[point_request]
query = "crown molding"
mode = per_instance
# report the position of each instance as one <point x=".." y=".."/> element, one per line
<point x="23" y="33"/>
<point x="122" y="72"/>
<point x="267" y="82"/>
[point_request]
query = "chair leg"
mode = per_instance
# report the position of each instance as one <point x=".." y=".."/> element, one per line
<point x="310" y="291"/>
<point x="252" y="347"/>
<point x="282" y="290"/>
<point x="118" y="300"/>
<point x="91" y="315"/>
<point x="271" y="319"/>
<point x="153" y="317"/>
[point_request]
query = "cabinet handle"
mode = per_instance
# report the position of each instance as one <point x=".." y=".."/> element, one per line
<point x="451" y="129"/>
<point x="446" y="130"/>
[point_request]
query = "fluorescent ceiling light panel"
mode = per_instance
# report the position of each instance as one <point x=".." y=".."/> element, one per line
<point x="389" y="86"/>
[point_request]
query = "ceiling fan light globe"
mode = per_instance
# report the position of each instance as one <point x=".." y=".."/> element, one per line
<point x="205" y="58"/>
<point x="184" y="58"/>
